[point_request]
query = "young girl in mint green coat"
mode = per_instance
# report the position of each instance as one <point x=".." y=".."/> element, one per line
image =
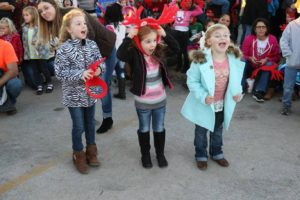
<point x="214" y="82"/>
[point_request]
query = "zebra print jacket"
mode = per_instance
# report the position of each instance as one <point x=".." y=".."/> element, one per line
<point x="72" y="59"/>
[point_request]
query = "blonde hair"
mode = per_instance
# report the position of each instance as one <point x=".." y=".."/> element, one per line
<point x="198" y="56"/>
<point x="34" y="14"/>
<point x="11" y="26"/>
<point x="49" y="30"/>
<point x="66" y="22"/>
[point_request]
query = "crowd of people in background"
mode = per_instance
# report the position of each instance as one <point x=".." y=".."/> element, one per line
<point x="266" y="31"/>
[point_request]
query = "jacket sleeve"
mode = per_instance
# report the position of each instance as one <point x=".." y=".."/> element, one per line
<point x="97" y="56"/>
<point x="275" y="52"/>
<point x="285" y="42"/>
<point x="63" y="70"/>
<point x="194" y="83"/>
<point x="19" y="48"/>
<point x="104" y="38"/>
<point x="123" y="52"/>
<point x="246" y="48"/>
<point x="197" y="11"/>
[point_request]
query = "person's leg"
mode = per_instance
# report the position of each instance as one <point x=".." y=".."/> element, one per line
<point x="13" y="88"/>
<point x="159" y="133"/>
<point x="79" y="156"/>
<point x="50" y="65"/>
<point x="29" y="72"/>
<point x="107" y="101"/>
<point x="77" y="116"/>
<point x="144" y="136"/>
<point x="288" y="89"/>
<point x="89" y="124"/>
<point x="224" y="3"/>
<point x="200" y="143"/>
<point x="262" y="81"/>
<point x="185" y="40"/>
<point x="42" y="66"/>
<point x="120" y="71"/>
<point x="216" y="141"/>
<point x="89" y="127"/>
<point x="178" y="35"/>
<point x="247" y="73"/>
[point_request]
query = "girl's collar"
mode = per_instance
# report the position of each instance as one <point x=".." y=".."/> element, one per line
<point x="77" y="41"/>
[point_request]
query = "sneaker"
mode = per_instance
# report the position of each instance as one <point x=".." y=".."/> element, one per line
<point x="286" y="111"/>
<point x="39" y="90"/>
<point x="258" y="97"/>
<point x="49" y="88"/>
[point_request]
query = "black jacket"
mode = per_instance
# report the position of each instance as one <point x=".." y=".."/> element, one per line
<point x="254" y="9"/>
<point x="136" y="60"/>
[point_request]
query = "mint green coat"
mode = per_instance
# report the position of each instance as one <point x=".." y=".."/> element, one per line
<point x="201" y="82"/>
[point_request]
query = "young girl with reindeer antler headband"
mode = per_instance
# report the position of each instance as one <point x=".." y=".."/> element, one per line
<point x="141" y="49"/>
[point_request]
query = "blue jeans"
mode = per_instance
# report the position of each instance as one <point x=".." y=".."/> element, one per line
<point x="83" y="121"/>
<point x="13" y="89"/>
<point x="120" y="69"/>
<point x="288" y="85"/>
<point x="261" y="81"/>
<point x="224" y="3"/>
<point x="107" y="76"/>
<point x="31" y="74"/>
<point x="158" y="118"/>
<point x="215" y="142"/>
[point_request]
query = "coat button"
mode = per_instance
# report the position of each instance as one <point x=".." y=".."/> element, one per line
<point x="211" y="67"/>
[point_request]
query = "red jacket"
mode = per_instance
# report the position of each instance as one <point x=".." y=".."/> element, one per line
<point x="272" y="50"/>
<point x="15" y="40"/>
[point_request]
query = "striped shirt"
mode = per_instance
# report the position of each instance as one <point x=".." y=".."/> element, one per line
<point x="155" y="94"/>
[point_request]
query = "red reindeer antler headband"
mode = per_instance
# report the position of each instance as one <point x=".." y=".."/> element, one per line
<point x="167" y="16"/>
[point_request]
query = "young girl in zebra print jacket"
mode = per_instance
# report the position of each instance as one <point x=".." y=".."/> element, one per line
<point x="73" y="57"/>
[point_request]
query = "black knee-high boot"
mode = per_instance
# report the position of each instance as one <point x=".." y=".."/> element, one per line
<point x="121" y="86"/>
<point x="159" y="144"/>
<point x="144" y="141"/>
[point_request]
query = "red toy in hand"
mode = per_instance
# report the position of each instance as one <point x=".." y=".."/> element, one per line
<point x="96" y="82"/>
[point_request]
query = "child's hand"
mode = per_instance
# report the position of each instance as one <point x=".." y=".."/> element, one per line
<point x="132" y="32"/>
<point x="209" y="100"/>
<point x="87" y="74"/>
<point x="98" y="71"/>
<point x="237" y="98"/>
<point x="161" y="32"/>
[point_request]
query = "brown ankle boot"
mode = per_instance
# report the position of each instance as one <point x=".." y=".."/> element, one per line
<point x="91" y="155"/>
<point x="269" y="94"/>
<point x="79" y="160"/>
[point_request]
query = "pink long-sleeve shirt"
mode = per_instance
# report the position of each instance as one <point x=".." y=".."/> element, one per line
<point x="183" y="18"/>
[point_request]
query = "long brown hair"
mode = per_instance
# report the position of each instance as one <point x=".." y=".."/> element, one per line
<point x="34" y="14"/>
<point x="66" y="22"/>
<point x="50" y="30"/>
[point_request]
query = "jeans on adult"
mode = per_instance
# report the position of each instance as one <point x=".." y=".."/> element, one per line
<point x="224" y="3"/>
<point x="83" y="121"/>
<point x="120" y="69"/>
<point x="156" y="115"/>
<point x="262" y="80"/>
<point x="107" y="76"/>
<point x="13" y="89"/>
<point x="290" y="75"/>
<point x="215" y="142"/>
